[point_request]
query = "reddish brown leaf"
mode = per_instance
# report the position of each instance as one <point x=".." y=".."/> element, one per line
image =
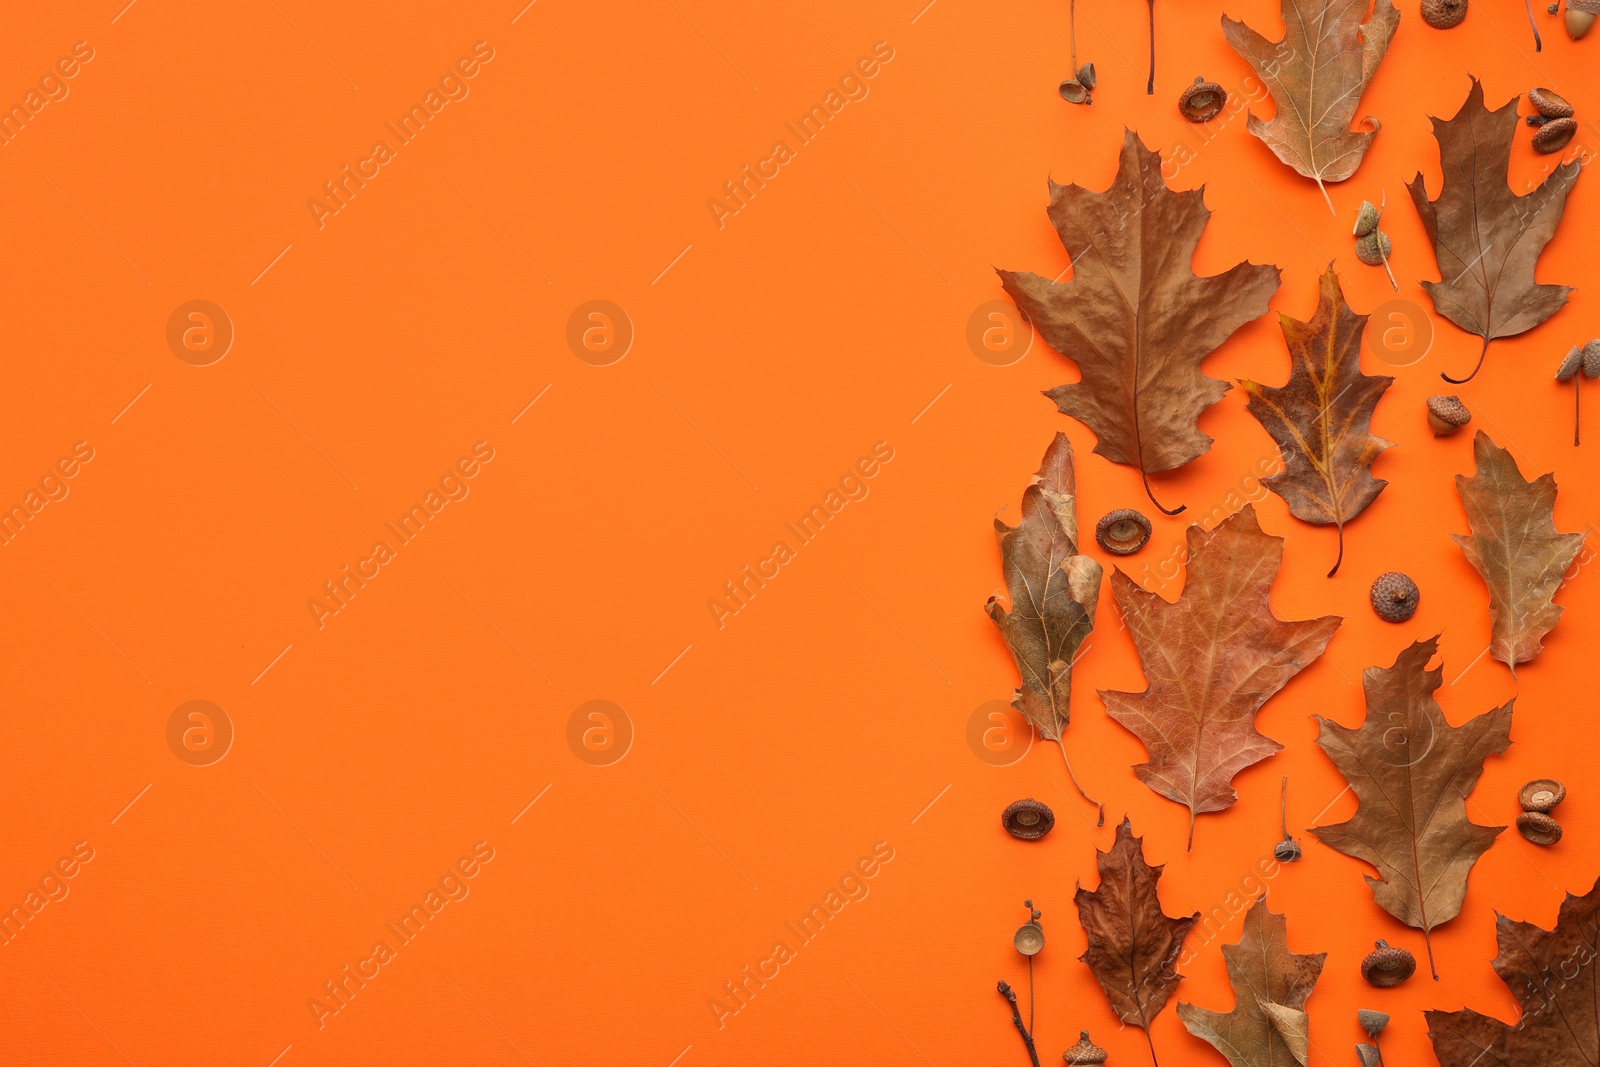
<point x="1553" y="975"/>
<point x="1322" y="418"/>
<point x="1212" y="660"/>
<point x="1412" y="771"/>
<point x="1133" y="945"/>
<point x="1134" y="317"/>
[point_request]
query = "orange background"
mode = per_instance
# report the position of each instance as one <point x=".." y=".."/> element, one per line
<point x="770" y="354"/>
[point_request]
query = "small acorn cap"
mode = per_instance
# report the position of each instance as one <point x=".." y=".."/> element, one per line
<point x="1570" y="363"/>
<point x="1538" y="827"/>
<point x="1443" y="14"/>
<point x="1202" y="100"/>
<point x="1368" y="1054"/>
<point x="1085" y="1051"/>
<point x="1447" y="414"/>
<point x="1029" y="938"/>
<point x="1541" y="794"/>
<point x="1074" y="91"/>
<point x="1549" y="103"/>
<point x="1122" y="532"/>
<point x="1086" y="76"/>
<point x="1387" y="966"/>
<point x="1287" y="850"/>
<point x="1367" y="218"/>
<point x="1394" y="596"/>
<point x="1374" y="248"/>
<point x="1371" y="1021"/>
<point x="1554" y="135"/>
<point x="1028" y="819"/>
<point x="1591" y="359"/>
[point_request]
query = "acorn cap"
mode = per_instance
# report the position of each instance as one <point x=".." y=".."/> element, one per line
<point x="1549" y="103"/>
<point x="1570" y="363"/>
<point x="1286" y="851"/>
<point x="1086" y="77"/>
<point x="1202" y="100"/>
<point x="1447" y="414"/>
<point x="1443" y="14"/>
<point x="1029" y="938"/>
<point x="1371" y="1021"/>
<point x="1122" y="532"/>
<point x="1085" y="1051"/>
<point x="1366" y="219"/>
<point x="1028" y="819"/>
<point x="1554" y="135"/>
<point x="1541" y="794"/>
<point x="1387" y="966"/>
<point x="1394" y="596"/>
<point x="1074" y="91"/>
<point x="1368" y="1055"/>
<point x="1591" y="359"/>
<point x="1538" y="827"/>
<point x="1374" y="248"/>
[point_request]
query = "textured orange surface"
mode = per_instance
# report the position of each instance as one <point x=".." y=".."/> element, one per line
<point x="386" y="350"/>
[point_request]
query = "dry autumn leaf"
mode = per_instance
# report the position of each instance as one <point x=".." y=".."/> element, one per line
<point x="1411" y="771"/>
<point x="1487" y="239"/>
<point x="1268" y="1024"/>
<point x="1322" y="418"/>
<point x="1134" y="317"/>
<point x="1212" y="660"/>
<point x="1133" y="945"/>
<point x="1515" y="547"/>
<point x="1053" y="591"/>
<point x="1317" y="74"/>
<point x="1552" y="975"/>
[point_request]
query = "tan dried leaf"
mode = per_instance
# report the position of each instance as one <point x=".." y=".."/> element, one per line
<point x="1317" y="74"/>
<point x="1134" y="317"/>
<point x="1515" y="547"/>
<point x="1212" y="660"/>
<point x="1411" y="771"/>
<point x="1268" y="1024"/>
<point x="1322" y="418"/>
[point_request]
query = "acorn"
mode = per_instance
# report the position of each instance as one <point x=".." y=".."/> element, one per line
<point x="1028" y="819"/>
<point x="1372" y="1022"/>
<point x="1580" y="16"/>
<point x="1447" y="414"/>
<point x="1374" y="248"/>
<point x="1387" y="966"/>
<point x="1122" y="532"/>
<point x="1538" y="827"/>
<point x="1443" y="14"/>
<point x="1202" y="100"/>
<point x="1554" y="135"/>
<point x="1394" y="596"/>
<point x="1541" y="795"/>
<point x="1549" y="104"/>
<point x="1085" y="1051"/>
<point x="1367" y="218"/>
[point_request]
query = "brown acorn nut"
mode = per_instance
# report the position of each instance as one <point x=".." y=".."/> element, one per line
<point x="1580" y="16"/>
<point x="1541" y="794"/>
<point x="1447" y="414"/>
<point x="1554" y="135"/>
<point x="1122" y="532"/>
<point x="1202" y="100"/>
<point x="1443" y="14"/>
<point x="1028" y="819"/>
<point x="1538" y="827"/>
<point x="1394" y="596"/>
<point x="1549" y="103"/>
<point x="1085" y="1051"/>
<point x="1387" y="966"/>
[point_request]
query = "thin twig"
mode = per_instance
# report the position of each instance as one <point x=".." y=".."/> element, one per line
<point x="1016" y="1018"/>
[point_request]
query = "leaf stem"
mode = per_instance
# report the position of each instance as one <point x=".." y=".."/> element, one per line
<point x="1150" y="86"/>
<point x="1427" y="939"/>
<point x="1538" y="45"/>
<point x="1076" y="785"/>
<point x="1336" y="563"/>
<point x="1283" y="807"/>
<point x="1151" y="1042"/>
<point x="1190" y="846"/>
<point x="1386" y="270"/>
<point x="1151" y="494"/>
<point x="1462" y="381"/>
<point x="1072" y="29"/>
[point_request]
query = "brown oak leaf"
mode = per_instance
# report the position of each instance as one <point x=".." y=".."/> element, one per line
<point x="1487" y="239"/>
<point x="1268" y="1023"/>
<point x="1552" y="973"/>
<point x="1212" y="660"/>
<point x="1133" y="945"/>
<point x="1322" y="418"/>
<point x="1134" y="317"/>
<point x="1515" y="547"/>
<point x="1053" y="590"/>
<point x="1411" y="771"/>
<point x="1317" y="74"/>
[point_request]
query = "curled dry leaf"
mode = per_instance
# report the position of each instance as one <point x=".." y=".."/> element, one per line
<point x="1411" y="771"/>
<point x="1133" y="945"/>
<point x="1053" y="591"/>
<point x="1552" y="975"/>
<point x="1515" y="547"/>
<point x="1134" y="317"/>
<point x="1212" y="660"/>
<point x="1317" y="74"/>
<point x="1268" y="1024"/>
<point x="1487" y="239"/>
<point x="1322" y="418"/>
